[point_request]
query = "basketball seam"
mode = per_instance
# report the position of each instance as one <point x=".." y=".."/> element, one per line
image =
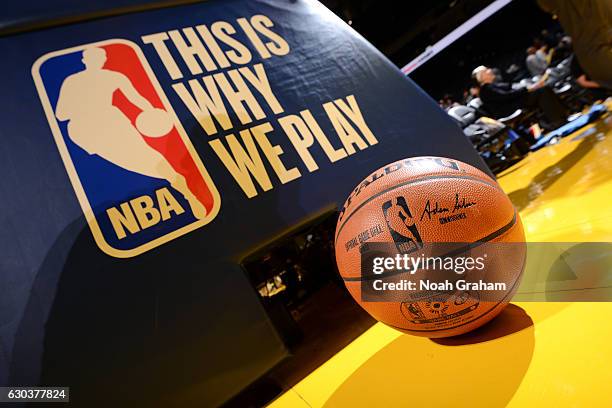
<point x="407" y="183"/>
<point x="496" y="234"/>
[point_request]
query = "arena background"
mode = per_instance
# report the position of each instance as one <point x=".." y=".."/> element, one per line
<point x="249" y="310"/>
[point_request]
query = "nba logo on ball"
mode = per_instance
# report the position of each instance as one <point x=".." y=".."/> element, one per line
<point x="135" y="172"/>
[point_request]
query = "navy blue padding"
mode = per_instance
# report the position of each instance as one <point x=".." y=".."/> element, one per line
<point x="180" y="322"/>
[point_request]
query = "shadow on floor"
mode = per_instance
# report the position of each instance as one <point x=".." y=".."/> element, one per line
<point x="452" y="372"/>
<point x="581" y="274"/>
<point x="543" y="180"/>
<point x="511" y="320"/>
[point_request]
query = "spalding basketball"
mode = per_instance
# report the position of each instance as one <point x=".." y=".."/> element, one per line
<point x="412" y="202"/>
<point x="154" y="123"/>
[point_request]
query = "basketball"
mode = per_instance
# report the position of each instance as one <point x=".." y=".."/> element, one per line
<point x="411" y="204"/>
<point x="154" y="123"/>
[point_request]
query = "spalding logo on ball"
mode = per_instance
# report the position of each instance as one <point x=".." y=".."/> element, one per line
<point x="422" y="200"/>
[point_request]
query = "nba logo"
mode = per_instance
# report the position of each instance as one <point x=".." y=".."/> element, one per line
<point x="137" y="177"/>
<point x="401" y="225"/>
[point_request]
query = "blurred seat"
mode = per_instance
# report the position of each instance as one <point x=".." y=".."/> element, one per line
<point x="496" y="143"/>
<point x="563" y="88"/>
<point x="464" y="115"/>
<point x="512" y="117"/>
<point x="475" y="103"/>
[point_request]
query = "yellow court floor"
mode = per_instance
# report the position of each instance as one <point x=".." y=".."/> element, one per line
<point x="534" y="354"/>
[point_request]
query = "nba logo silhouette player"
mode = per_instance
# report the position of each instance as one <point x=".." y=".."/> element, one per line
<point x="99" y="127"/>
<point x="136" y="174"/>
<point x="401" y="225"/>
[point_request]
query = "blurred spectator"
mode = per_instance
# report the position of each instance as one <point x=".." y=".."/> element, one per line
<point x="472" y="93"/>
<point x="498" y="74"/>
<point x="562" y="51"/>
<point x="542" y="50"/>
<point x="582" y="78"/>
<point x="548" y="39"/>
<point x="536" y="61"/>
<point x="589" y="23"/>
<point x="501" y="100"/>
<point x="447" y="102"/>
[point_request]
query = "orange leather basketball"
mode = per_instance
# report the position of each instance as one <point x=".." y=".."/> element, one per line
<point x="423" y="200"/>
